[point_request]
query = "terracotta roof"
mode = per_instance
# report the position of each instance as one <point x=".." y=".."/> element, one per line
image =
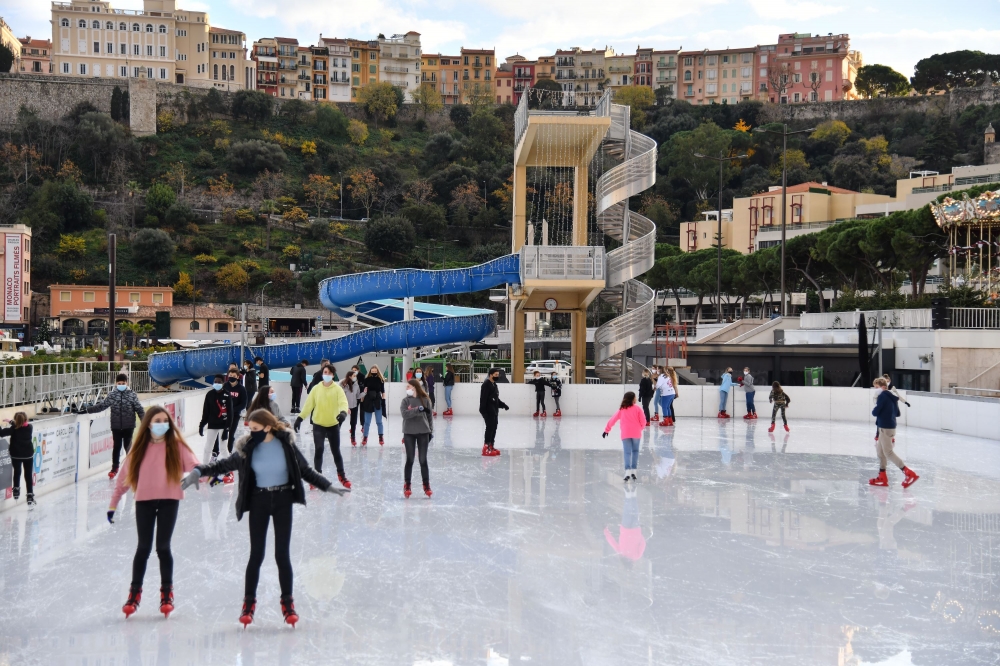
<point x="149" y="312"/>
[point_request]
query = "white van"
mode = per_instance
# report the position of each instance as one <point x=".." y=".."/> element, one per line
<point x="562" y="369"/>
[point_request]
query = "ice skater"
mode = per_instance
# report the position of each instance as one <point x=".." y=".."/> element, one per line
<point x="22" y="454"/>
<point x="655" y="378"/>
<point x="153" y="472"/>
<point x="272" y="469"/>
<point x="555" y="385"/>
<point x="352" y="389"/>
<point x="297" y="383"/>
<point x="539" y="383"/>
<point x="667" y="388"/>
<point x="125" y="407"/>
<point x="327" y="404"/>
<point x="490" y="405"/>
<point x="418" y="428"/>
<point x="631" y="420"/>
<point x="885" y="413"/>
<point x="724" y="389"/>
<point x="449" y="385"/>
<point x="217" y="415"/>
<point x="373" y="404"/>
<point x="240" y="401"/>
<point x="429" y="381"/>
<point x="646" y="393"/>
<point x="750" y="390"/>
<point x="779" y="400"/>
<point x="266" y="399"/>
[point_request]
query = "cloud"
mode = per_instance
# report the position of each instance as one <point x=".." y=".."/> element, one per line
<point x="802" y="11"/>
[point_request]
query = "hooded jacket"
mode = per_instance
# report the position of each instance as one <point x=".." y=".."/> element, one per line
<point x="124" y="406"/>
<point x="241" y="460"/>
<point x="886" y="410"/>
<point x="20" y="441"/>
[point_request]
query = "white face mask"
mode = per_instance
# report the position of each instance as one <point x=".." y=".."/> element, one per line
<point x="410" y="392"/>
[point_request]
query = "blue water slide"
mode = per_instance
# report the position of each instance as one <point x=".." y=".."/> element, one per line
<point x="372" y="295"/>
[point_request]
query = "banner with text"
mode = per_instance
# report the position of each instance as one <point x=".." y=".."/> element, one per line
<point x="12" y="278"/>
<point x="100" y="441"/>
<point x="55" y="451"/>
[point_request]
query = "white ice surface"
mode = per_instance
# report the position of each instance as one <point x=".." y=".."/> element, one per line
<point x="758" y="550"/>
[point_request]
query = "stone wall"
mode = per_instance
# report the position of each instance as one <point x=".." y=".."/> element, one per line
<point x="52" y="97"/>
<point x="953" y="103"/>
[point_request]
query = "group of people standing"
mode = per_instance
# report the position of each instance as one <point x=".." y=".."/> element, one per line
<point x="540" y="383"/>
<point x="660" y="386"/>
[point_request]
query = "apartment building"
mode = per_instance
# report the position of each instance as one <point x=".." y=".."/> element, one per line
<point x="399" y="61"/>
<point x="364" y="63"/>
<point x="504" y="85"/>
<point x="545" y="68"/>
<point x="450" y="77"/>
<point x="36" y="55"/>
<point x="478" y="68"/>
<point x="92" y="39"/>
<point x="8" y="39"/>
<point x="665" y="66"/>
<point x="430" y="71"/>
<point x="229" y="67"/>
<point x="620" y="70"/>
<point x="522" y="75"/>
<point x="337" y="73"/>
<point x="716" y="77"/>
<point x="583" y="72"/>
<point x="803" y="67"/>
<point x="643" y="67"/>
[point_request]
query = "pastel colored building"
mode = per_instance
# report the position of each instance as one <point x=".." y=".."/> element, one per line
<point x="265" y="57"/>
<point x="399" y="62"/>
<point x="665" y="65"/>
<point x="504" y="86"/>
<point x="716" y="77"/>
<point x="337" y="61"/>
<point x="478" y="68"/>
<point x="643" y="68"/>
<point x="36" y="55"/>
<point x="364" y="63"/>
<point x="430" y="70"/>
<point x="229" y="67"/>
<point x="619" y="69"/>
<point x="8" y="39"/>
<point x="583" y="72"/>
<point x="451" y="79"/>
<point x="807" y="68"/>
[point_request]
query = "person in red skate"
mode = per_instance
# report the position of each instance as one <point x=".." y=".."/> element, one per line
<point x="272" y="471"/>
<point x="418" y="428"/>
<point x="555" y="384"/>
<point x="490" y="405"/>
<point x="449" y="386"/>
<point x="885" y="413"/>
<point x="153" y="471"/>
<point x="780" y="400"/>
<point x="539" y="383"/>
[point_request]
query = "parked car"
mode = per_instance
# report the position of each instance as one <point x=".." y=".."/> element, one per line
<point x="562" y="368"/>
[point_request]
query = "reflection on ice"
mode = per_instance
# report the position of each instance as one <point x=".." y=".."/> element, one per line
<point x="736" y="546"/>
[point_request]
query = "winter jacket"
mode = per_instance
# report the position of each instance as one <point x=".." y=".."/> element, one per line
<point x="886" y="410"/>
<point x="449" y="378"/>
<point x="217" y="410"/>
<point x="298" y="376"/>
<point x="250" y="381"/>
<point x="124" y="406"/>
<point x="539" y="384"/>
<point x="779" y="398"/>
<point x="325" y="402"/>
<point x="665" y="386"/>
<point x="630" y="420"/>
<point x="429" y="381"/>
<point x="263" y="375"/>
<point x="353" y="393"/>
<point x="153" y="483"/>
<point x="239" y="397"/>
<point x="372" y="388"/>
<point x="241" y="460"/>
<point x="317" y="378"/>
<point x="645" y="388"/>
<point x="748" y="383"/>
<point x="20" y="441"/>
<point x="490" y="403"/>
<point x="416" y="422"/>
<point x="556" y="385"/>
<point x="727" y="382"/>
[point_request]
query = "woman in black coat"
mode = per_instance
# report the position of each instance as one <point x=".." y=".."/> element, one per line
<point x="372" y="401"/>
<point x="272" y="470"/>
<point x="645" y="392"/>
<point x="22" y="453"/>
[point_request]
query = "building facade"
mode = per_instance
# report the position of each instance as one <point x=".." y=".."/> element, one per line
<point x="15" y="262"/>
<point x="430" y="71"/>
<point x="8" y="39"/>
<point x="522" y="75"/>
<point x="36" y="55"/>
<point x="229" y="67"/>
<point x="504" y="85"/>
<point x="716" y="77"/>
<point x="399" y="62"/>
<point x="364" y="63"/>
<point x="337" y="61"/>
<point x="665" y="65"/>
<point x="807" y="68"/>
<point x="265" y="57"/>
<point x="643" y="68"/>
<point x="583" y="73"/>
<point x="451" y="79"/>
<point x="620" y="70"/>
<point x="478" y="69"/>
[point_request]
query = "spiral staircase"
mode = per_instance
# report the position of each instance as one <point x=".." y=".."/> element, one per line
<point x="637" y="234"/>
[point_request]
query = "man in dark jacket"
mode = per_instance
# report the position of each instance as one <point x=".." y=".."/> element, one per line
<point x="297" y="383"/>
<point x="318" y="375"/>
<point x="217" y="414"/>
<point x="240" y="402"/>
<point x="539" y="383"/>
<point x="490" y="405"/>
<point x="885" y="413"/>
<point x="263" y="372"/>
<point x="125" y="407"/>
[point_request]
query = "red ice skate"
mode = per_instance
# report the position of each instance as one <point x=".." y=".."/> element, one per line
<point x="535" y="415"/>
<point x="364" y="441"/>
<point x="723" y="415"/>
<point x="544" y="414"/>
<point x="381" y="441"/>
<point x="132" y="603"/>
<point x="228" y="478"/>
<point x="343" y="481"/>
<point x="786" y="428"/>
<point x="406" y="491"/>
<point x="249" y="606"/>
<point x="656" y="417"/>
<point x="427" y="490"/>
<point x="113" y="473"/>
<point x="434" y="414"/>
<point x="771" y="429"/>
<point x="880" y="480"/>
<point x="354" y="442"/>
<point x="288" y="610"/>
<point x="486" y="449"/>
<point x="558" y="412"/>
<point x="911" y="477"/>
<point x="166" y="600"/>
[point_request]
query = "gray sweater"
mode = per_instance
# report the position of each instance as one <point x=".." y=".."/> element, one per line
<point x="748" y="383"/>
<point x="416" y="422"/>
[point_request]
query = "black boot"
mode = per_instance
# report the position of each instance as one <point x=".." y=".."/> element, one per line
<point x="31" y="499"/>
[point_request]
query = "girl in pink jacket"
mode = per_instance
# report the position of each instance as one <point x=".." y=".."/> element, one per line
<point x="153" y="470"/>
<point x="631" y="420"/>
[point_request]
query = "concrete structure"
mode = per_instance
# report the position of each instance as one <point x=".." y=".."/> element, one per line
<point x="399" y="61"/>
<point x="723" y="76"/>
<point x="478" y="68"/>
<point x="583" y="72"/>
<point x="665" y="65"/>
<point x="15" y="266"/>
<point x="36" y="55"/>
<point x="8" y="39"/>
<point x="229" y="67"/>
<point x="805" y="68"/>
<point x="364" y="63"/>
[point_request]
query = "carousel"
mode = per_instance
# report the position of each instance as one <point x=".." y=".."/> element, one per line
<point x="970" y="224"/>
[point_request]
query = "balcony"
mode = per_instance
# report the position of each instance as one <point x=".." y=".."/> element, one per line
<point x="565" y="75"/>
<point x="398" y="69"/>
<point x="303" y="77"/>
<point x="620" y="69"/>
<point x="564" y="62"/>
<point x="666" y="79"/>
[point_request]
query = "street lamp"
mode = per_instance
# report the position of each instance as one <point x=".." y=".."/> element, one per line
<point x="784" y="133"/>
<point x="721" y="159"/>
<point x="263" y="328"/>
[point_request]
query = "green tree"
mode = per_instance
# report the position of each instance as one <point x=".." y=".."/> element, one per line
<point x="881" y="81"/>
<point x="6" y="58"/>
<point x="379" y="101"/>
<point x="331" y="121"/>
<point x="459" y="116"/>
<point x="385" y="235"/>
<point x="427" y="97"/>
<point x="485" y="142"/>
<point x="116" y="104"/>
<point x="918" y="241"/>
<point x="294" y="110"/>
<point x="152" y="248"/>
<point x="429" y="218"/>
<point x="100" y="138"/>
<point x="358" y="132"/>
<point x="71" y="247"/>
<point x="159" y="198"/>
<point x="663" y="276"/>
<point x="638" y="99"/>
<point x="700" y="174"/>
<point x="833" y="132"/>
<point x="955" y="69"/>
<point x="938" y="151"/>
<point x="254" y="156"/>
<point x="253" y="105"/>
<point x="233" y="279"/>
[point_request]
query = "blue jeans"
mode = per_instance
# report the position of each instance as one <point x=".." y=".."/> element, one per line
<point x="368" y="420"/>
<point x="750" y="407"/>
<point x="723" y="399"/>
<point x="657" y="398"/>
<point x="447" y="395"/>
<point x="631" y="448"/>
<point x="667" y="405"/>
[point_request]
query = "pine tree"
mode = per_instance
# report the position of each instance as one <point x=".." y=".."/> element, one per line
<point x="116" y="104"/>
<point x="940" y="146"/>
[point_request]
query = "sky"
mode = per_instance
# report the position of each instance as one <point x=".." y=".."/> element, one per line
<point x="888" y="32"/>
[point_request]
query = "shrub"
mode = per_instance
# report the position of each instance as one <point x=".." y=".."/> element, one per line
<point x="253" y="105"/>
<point x="291" y="253"/>
<point x="202" y="245"/>
<point x="204" y="159"/>
<point x="384" y="235"/>
<point x="205" y="259"/>
<point x="319" y="230"/>
<point x="71" y="247"/>
<point x="429" y="218"/>
<point x="308" y="148"/>
<point x="331" y="122"/>
<point x="152" y="248"/>
<point x="159" y="198"/>
<point x="295" y="217"/>
<point x="179" y="215"/>
<point x="164" y="121"/>
<point x="255" y="155"/>
<point x="358" y="132"/>
<point x="282" y="277"/>
<point x="232" y="279"/>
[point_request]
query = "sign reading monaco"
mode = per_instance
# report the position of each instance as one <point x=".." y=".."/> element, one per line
<point x="12" y="278"/>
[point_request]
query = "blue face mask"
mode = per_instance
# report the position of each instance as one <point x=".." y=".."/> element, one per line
<point x="419" y="375"/>
<point x="217" y="386"/>
<point x="159" y="429"/>
<point x="327" y="379"/>
<point x="121" y="387"/>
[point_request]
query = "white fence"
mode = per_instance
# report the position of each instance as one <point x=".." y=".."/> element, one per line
<point x="974" y="317"/>
<point x="890" y="319"/>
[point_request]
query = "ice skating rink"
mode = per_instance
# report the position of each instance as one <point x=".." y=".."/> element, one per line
<point x="735" y="547"/>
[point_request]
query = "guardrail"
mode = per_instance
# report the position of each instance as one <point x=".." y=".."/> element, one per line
<point x="562" y="262"/>
<point x="918" y="318"/>
<point x="984" y="318"/>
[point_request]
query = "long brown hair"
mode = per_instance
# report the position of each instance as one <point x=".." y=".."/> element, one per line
<point x="20" y="418"/>
<point x="174" y="441"/>
<point x="348" y="380"/>
<point x="673" y="378"/>
<point x="628" y="400"/>
<point x="262" y="400"/>
<point x="421" y="393"/>
<point x="265" y="418"/>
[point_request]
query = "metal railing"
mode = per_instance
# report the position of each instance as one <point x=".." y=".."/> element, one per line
<point x="983" y="318"/>
<point x="562" y="262"/>
<point x="22" y="384"/>
<point x="970" y="390"/>
<point x="918" y="318"/>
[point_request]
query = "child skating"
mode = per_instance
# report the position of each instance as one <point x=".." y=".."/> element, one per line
<point x="666" y="386"/>
<point x="885" y="413"/>
<point x="556" y="385"/>
<point x="779" y="400"/>
<point x="153" y="471"/>
<point x="724" y="388"/>
<point x="631" y="420"/>
<point x="22" y="454"/>
<point x="539" y="383"/>
<point x="750" y="390"/>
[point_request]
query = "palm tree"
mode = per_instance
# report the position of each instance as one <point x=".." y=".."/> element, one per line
<point x="127" y="328"/>
<point x="144" y="330"/>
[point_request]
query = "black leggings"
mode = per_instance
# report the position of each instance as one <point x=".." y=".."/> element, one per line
<point x="492" y="421"/>
<point x="645" y="407"/>
<point x="320" y="434"/>
<point x="122" y="439"/>
<point x="354" y="420"/>
<point x="26" y="465"/>
<point x="265" y="505"/>
<point x="413" y="443"/>
<point x="296" y="397"/>
<point x="161" y="514"/>
<point x="539" y="402"/>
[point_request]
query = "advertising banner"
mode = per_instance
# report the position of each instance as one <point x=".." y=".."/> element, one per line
<point x="55" y="451"/>
<point x="12" y="278"/>
<point x="6" y="470"/>
<point x="100" y="441"/>
<point x="176" y="410"/>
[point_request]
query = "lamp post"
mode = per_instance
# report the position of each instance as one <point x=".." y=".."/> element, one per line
<point x="263" y="328"/>
<point x="784" y="134"/>
<point x="721" y="159"/>
<point x="341" y="195"/>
